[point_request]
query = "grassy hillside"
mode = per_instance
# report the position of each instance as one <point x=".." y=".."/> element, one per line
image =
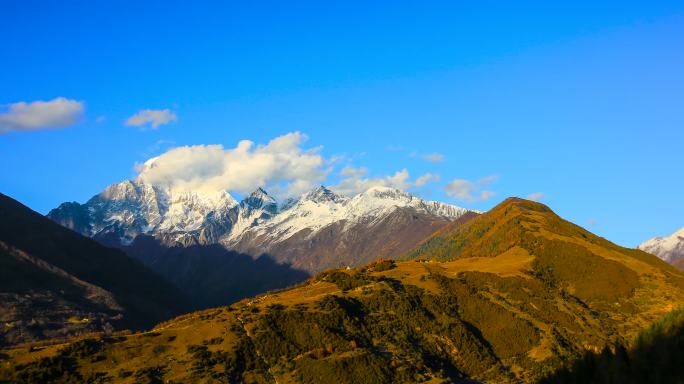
<point x="655" y="357"/>
<point x="510" y="297"/>
<point x="566" y="256"/>
<point x="55" y="282"/>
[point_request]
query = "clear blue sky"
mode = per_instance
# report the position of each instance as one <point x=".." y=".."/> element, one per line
<point x="582" y="101"/>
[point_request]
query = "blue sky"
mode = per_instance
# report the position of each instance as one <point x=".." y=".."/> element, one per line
<point x="580" y="102"/>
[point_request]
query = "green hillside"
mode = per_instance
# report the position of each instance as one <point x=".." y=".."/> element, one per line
<point x="511" y="296"/>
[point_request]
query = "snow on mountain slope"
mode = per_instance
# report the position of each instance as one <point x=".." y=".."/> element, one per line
<point x="322" y="207"/>
<point x="253" y="210"/>
<point x="669" y="248"/>
<point x="131" y="208"/>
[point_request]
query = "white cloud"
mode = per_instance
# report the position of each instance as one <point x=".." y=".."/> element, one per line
<point x="57" y="113"/>
<point x="281" y="166"/>
<point x="426" y="178"/>
<point x="434" y="157"/>
<point x="470" y="191"/>
<point x="152" y="117"/>
<point x="536" y="196"/>
<point x="337" y="159"/>
<point x="356" y="183"/>
<point x="350" y="171"/>
<point x="488" y="180"/>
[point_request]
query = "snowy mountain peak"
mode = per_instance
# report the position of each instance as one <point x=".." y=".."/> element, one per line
<point x="322" y="207"/>
<point x="259" y="192"/>
<point x="131" y="208"/>
<point x="386" y="198"/>
<point x="380" y="192"/>
<point x="209" y="200"/>
<point x="125" y="190"/>
<point x="259" y="199"/>
<point x="322" y="194"/>
<point x="669" y="248"/>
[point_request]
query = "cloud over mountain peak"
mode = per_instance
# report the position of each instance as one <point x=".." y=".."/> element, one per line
<point x="282" y="165"/>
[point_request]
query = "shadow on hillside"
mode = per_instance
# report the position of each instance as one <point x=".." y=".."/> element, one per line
<point x="656" y="357"/>
<point x="212" y="275"/>
<point x="49" y="273"/>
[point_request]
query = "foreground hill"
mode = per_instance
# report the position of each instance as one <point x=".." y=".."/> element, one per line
<point x="507" y="297"/>
<point x="55" y="282"/>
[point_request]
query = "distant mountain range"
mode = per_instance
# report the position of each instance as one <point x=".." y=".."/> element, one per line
<point x="131" y="208"/>
<point x="508" y="296"/>
<point x="57" y="283"/>
<point x="197" y="239"/>
<point x="669" y="248"/>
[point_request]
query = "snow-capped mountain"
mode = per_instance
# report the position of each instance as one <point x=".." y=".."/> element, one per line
<point x="131" y="208"/>
<point x="321" y="229"/>
<point x="669" y="248"/>
<point x="322" y="207"/>
<point x="324" y="230"/>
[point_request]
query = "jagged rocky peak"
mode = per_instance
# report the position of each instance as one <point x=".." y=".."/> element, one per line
<point x="322" y="194"/>
<point x="125" y="190"/>
<point x="206" y="199"/>
<point x="384" y="198"/>
<point x="132" y="207"/>
<point x="260" y="199"/>
<point x="72" y="215"/>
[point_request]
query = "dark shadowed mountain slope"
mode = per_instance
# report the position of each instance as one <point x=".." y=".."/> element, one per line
<point x="55" y="282"/>
<point x="513" y="308"/>
<point x="656" y="358"/>
<point x="210" y="274"/>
